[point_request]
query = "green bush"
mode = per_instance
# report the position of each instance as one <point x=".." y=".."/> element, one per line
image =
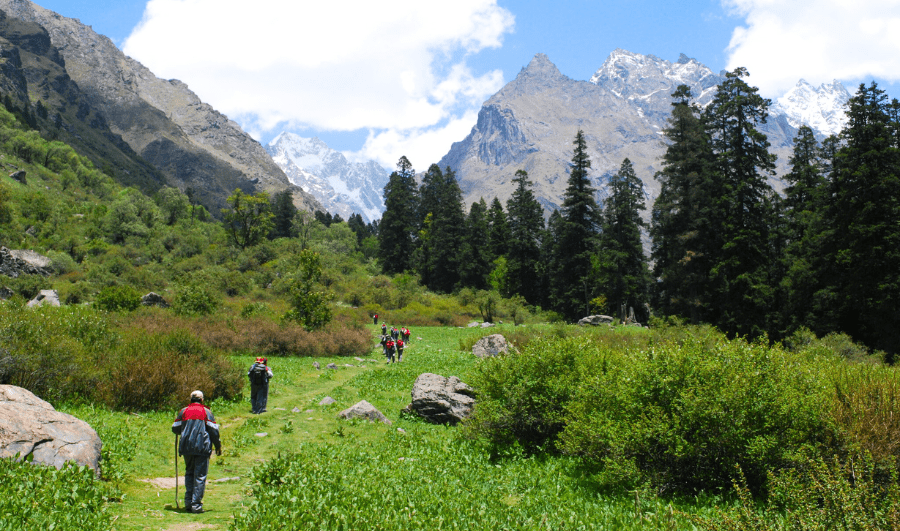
<point x="118" y="298"/>
<point x="683" y="416"/>
<point x="34" y="497"/>
<point x="194" y="299"/>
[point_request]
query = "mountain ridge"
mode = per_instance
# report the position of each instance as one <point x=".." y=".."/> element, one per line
<point x="187" y="140"/>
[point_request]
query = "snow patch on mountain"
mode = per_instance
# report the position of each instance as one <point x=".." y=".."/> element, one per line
<point x="823" y="108"/>
<point x="342" y="187"/>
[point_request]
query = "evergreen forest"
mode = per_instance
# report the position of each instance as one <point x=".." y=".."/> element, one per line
<point x="726" y="248"/>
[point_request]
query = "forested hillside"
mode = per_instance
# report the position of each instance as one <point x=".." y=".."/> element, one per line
<point x="727" y="249"/>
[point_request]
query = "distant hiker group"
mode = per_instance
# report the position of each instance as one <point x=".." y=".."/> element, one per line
<point x="394" y="342"/>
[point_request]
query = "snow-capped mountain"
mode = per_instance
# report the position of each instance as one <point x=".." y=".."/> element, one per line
<point x="823" y="109"/>
<point x="341" y="186"/>
<point x="531" y="122"/>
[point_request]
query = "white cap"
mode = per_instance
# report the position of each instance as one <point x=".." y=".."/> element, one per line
<point x="197" y="394"/>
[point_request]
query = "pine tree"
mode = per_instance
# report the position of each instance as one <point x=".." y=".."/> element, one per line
<point x="526" y="222"/>
<point x="682" y="232"/>
<point x="742" y="287"/>
<point x="442" y="233"/>
<point x="623" y="273"/>
<point x="571" y="284"/>
<point x="284" y="211"/>
<point x="399" y="223"/>
<point x="860" y="291"/>
<point x="499" y="230"/>
<point x="476" y="263"/>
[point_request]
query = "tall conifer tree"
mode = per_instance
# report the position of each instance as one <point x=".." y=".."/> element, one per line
<point x="623" y="273"/>
<point x="682" y="231"/>
<point x="443" y="230"/>
<point x="861" y="281"/>
<point x="399" y="223"/>
<point x="742" y="287"/>
<point x="526" y="222"/>
<point x="572" y="285"/>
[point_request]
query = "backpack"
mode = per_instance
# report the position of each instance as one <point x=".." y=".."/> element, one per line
<point x="258" y="374"/>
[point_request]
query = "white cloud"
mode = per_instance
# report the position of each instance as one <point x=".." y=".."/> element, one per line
<point x="821" y="40"/>
<point x="395" y="66"/>
<point x="423" y="147"/>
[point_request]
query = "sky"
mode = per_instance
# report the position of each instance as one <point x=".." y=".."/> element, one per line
<point x="379" y="80"/>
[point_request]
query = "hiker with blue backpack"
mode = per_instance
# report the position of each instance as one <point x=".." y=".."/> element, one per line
<point x="259" y="375"/>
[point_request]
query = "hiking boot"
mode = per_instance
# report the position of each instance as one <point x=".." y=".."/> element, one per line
<point x="197" y="510"/>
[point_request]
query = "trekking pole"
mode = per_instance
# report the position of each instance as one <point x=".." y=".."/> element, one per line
<point x="176" y="472"/>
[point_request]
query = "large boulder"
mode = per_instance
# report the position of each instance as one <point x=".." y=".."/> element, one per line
<point x="46" y="297"/>
<point x="490" y="346"/>
<point x="364" y="410"/>
<point x="595" y="320"/>
<point x="31" y="426"/>
<point x="441" y="400"/>
<point x="154" y="299"/>
<point x="15" y="263"/>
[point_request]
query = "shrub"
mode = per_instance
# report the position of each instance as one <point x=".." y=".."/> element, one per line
<point x="118" y="298"/>
<point x="684" y="416"/>
<point x="44" y="497"/>
<point x="163" y="376"/>
<point x="194" y="299"/>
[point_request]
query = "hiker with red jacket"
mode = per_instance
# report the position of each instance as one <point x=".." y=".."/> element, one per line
<point x="199" y="435"/>
<point x="389" y="350"/>
<point x="399" y="350"/>
<point x="260" y="374"/>
<point x="405" y="332"/>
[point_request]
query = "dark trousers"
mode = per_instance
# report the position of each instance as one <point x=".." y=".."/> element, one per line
<point x="259" y="396"/>
<point x="195" y="469"/>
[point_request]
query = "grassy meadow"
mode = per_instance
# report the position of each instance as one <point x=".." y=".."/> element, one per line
<point x="314" y="471"/>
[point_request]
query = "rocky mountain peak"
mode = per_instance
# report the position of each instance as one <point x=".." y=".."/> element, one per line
<point x="636" y="76"/>
<point x="821" y="108"/>
<point x="341" y="186"/>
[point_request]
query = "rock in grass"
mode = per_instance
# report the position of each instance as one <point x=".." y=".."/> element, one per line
<point x="441" y="400"/>
<point x="364" y="410"/>
<point x="490" y="346"/>
<point x="331" y="366"/>
<point x="31" y="426"/>
<point x="317" y="366"/>
<point x="327" y="401"/>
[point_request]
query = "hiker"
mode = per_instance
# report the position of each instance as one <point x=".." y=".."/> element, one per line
<point x="375" y="318"/>
<point x="405" y="332"/>
<point x="260" y="374"/>
<point x="383" y="344"/>
<point x="389" y="350"/>
<point x="399" y="350"/>
<point x="395" y="334"/>
<point x="199" y="434"/>
<point x="384" y="329"/>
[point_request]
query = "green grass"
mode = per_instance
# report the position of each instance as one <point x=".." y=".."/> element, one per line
<point x="350" y="474"/>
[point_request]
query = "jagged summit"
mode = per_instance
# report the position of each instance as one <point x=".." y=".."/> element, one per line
<point x="341" y="186"/>
<point x="823" y="108"/>
<point x="633" y="76"/>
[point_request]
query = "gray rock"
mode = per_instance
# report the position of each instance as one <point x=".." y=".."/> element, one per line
<point x="473" y="324"/>
<point x="154" y="299"/>
<point x="487" y="325"/>
<point x="441" y="400"/>
<point x="6" y="293"/>
<point x="19" y="176"/>
<point x="48" y="297"/>
<point x="327" y="401"/>
<point x="31" y="426"/>
<point x="317" y="366"/>
<point x="15" y="263"/>
<point x="490" y="346"/>
<point x="364" y="410"/>
<point x="331" y="366"/>
<point x="595" y="320"/>
<point x="295" y="410"/>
